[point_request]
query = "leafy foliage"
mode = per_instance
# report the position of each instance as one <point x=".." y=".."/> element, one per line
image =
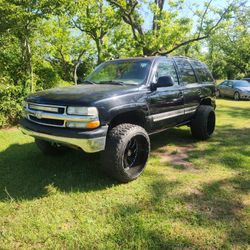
<point x="11" y="97"/>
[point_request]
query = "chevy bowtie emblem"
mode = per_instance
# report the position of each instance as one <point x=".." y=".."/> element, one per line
<point x="39" y="115"/>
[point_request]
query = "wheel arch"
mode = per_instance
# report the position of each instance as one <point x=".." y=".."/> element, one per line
<point x="208" y="101"/>
<point x="136" y="117"/>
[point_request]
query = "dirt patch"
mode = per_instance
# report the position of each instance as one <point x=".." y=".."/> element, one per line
<point x="177" y="156"/>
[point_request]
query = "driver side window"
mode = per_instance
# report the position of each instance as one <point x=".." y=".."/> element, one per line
<point x="166" y="68"/>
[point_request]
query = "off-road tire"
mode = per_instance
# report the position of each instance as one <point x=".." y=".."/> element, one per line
<point x="115" y="158"/>
<point x="49" y="148"/>
<point x="203" y="123"/>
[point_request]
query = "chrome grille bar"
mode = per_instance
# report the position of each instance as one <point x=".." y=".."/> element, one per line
<point x="43" y="113"/>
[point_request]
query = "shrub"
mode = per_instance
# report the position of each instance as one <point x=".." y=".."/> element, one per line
<point x="11" y="98"/>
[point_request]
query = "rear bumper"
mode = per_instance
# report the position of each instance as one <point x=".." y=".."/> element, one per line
<point x="89" y="141"/>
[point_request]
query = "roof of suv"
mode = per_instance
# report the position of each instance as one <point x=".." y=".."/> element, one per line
<point x="151" y="58"/>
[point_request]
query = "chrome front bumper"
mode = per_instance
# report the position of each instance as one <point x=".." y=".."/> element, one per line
<point x="90" y="145"/>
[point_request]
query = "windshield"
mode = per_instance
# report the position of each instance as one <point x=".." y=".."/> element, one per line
<point x="121" y="72"/>
<point x="242" y="84"/>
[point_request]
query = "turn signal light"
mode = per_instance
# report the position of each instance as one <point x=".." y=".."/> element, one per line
<point x="93" y="124"/>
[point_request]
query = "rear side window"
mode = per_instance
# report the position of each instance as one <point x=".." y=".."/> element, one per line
<point x="224" y="83"/>
<point x="187" y="75"/>
<point x="202" y="72"/>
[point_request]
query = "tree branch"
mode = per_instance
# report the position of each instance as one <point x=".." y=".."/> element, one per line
<point x="199" y="37"/>
<point x="203" y="17"/>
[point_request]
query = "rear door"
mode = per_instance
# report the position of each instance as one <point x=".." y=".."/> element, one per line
<point x="191" y="86"/>
<point x="166" y="104"/>
<point x="222" y="88"/>
<point x="205" y="79"/>
<point x="228" y="88"/>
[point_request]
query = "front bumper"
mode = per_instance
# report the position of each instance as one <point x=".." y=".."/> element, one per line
<point x="89" y="141"/>
<point x="245" y="96"/>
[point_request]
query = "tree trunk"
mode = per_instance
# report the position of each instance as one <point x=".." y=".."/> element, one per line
<point x="99" y="51"/>
<point x="75" y="72"/>
<point x="27" y="60"/>
<point x="77" y="65"/>
<point x="30" y="66"/>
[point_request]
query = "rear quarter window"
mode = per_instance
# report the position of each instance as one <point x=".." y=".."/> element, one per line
<point x="202" y="72"/>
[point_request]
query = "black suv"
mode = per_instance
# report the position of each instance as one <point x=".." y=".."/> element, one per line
<point x="119" y="105"/>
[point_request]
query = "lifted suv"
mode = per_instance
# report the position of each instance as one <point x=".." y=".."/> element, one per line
<point x="117" y="106"/>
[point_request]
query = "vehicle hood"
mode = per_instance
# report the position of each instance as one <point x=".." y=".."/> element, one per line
<point x="244" y="89"/>
<point x="80" y="94"/>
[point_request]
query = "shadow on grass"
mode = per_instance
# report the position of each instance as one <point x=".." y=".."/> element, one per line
<point x="234" y="112"/>
<point x="26" y="173"/>
<point x="142" y="225"/>
<point x="215" y="207"/>
<point x="219" y="203"/>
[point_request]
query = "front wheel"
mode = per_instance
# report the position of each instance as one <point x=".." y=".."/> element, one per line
<point x="236" y="96"/>
<point x="126" y="152"/>
<point x="50" y="148"/>
<point x="203" y="124"/>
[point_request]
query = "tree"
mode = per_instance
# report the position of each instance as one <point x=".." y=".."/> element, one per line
<point x="228" y="50"/>
<point x="63" y="47"/>
<point x="20" y="18"/>
<point x="97" y="20"/>
<point x="169" y="31"/>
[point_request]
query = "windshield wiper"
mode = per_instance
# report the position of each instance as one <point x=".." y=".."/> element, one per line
<point x="112" y="82"/>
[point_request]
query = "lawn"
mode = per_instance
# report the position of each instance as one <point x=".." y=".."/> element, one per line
<point x="191" y="195"/>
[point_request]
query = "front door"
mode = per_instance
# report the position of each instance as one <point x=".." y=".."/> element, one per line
<point x="165" y="103"/>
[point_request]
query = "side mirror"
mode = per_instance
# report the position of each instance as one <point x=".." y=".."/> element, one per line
<point x="164" y="81"/>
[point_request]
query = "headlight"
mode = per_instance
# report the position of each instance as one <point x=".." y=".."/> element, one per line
<point x="82" y="111"/>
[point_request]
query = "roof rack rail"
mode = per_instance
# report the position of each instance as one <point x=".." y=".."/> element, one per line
<point x="183" y="57"/>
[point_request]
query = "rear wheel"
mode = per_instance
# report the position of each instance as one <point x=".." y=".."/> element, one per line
<point x="126" y="153"/>
<point x="203" y="124"/>
<point x="236" y="96"/>
<point x="50" y="148"/>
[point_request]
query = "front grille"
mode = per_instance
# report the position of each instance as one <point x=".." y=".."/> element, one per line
<point x="46" y="108"/>
<point x="45" y="121"/>
<point x="44" y="114"/>
<point x="53" y="115"/>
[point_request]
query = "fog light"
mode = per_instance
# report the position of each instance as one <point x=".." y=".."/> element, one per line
<point x="92" y="124"/>
<point x="76" y="125"/>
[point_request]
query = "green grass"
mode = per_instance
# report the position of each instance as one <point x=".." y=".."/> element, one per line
<point x="66" y="203"/>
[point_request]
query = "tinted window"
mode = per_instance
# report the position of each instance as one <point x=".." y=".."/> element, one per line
<point x="187" y="75"/>
<point x="127" y="72"/>
<point x="166" y="68"/>
<point x="241" y="84"/>
<point x="229" y="84"/>
<point x="202" y="72"/>
<point x="224" y="83"/>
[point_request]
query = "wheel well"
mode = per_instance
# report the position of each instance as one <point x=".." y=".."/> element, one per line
<point x="133" y="117"/>
<point x="206" y="101"/>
